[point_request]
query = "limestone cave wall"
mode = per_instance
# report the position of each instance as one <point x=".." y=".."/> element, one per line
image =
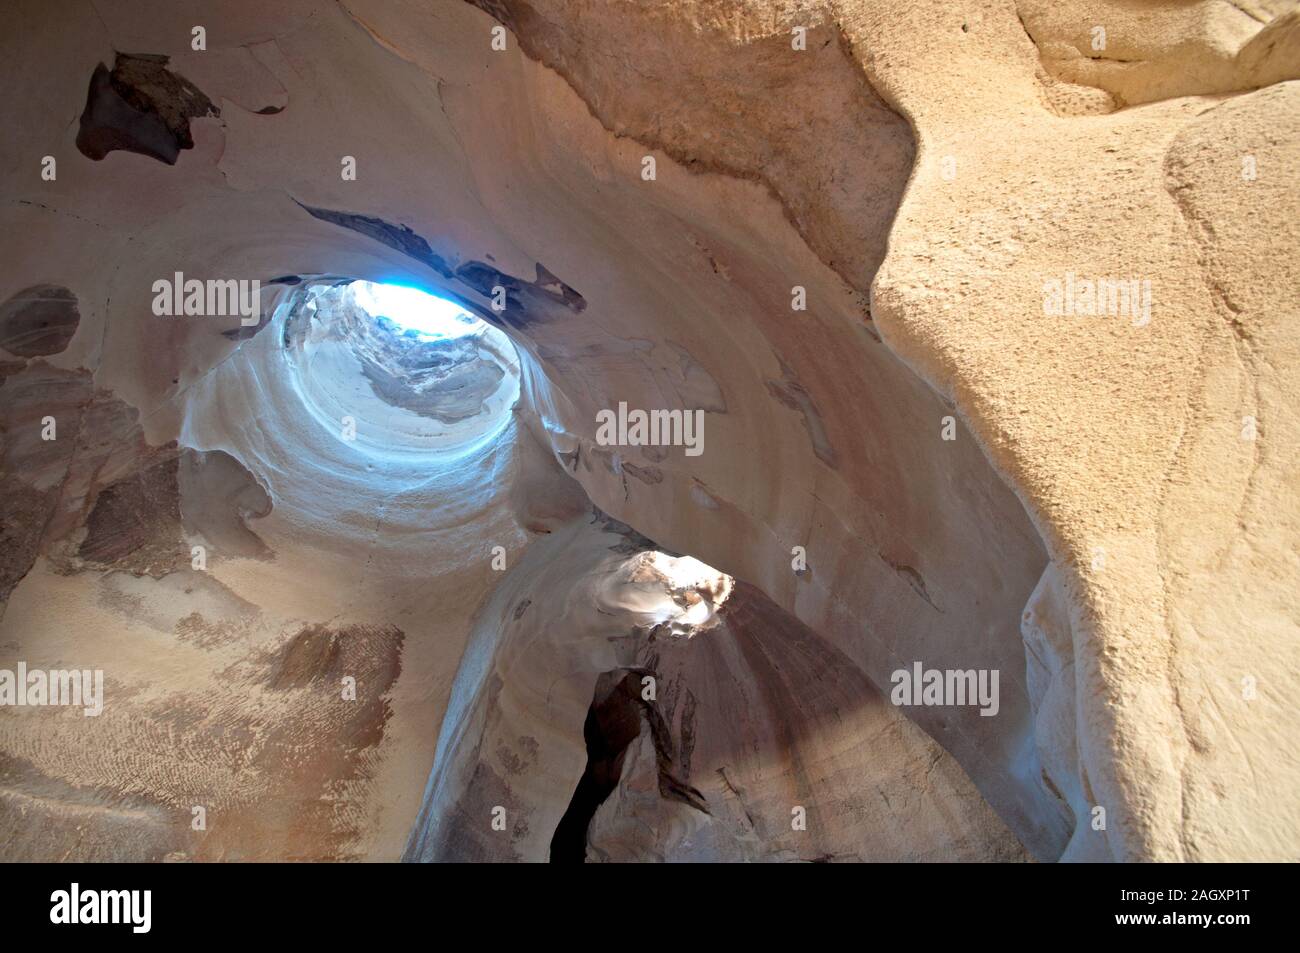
<point x="832" y="228"/>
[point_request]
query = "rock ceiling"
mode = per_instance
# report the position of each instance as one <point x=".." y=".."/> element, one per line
<point x="989" y="312"/>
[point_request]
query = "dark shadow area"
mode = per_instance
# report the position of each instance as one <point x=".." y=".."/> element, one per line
<point x="613" y="722"/>
<point x="140" y="106"/>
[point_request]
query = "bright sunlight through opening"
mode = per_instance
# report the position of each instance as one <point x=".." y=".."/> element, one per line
<point x="415" y="310"/>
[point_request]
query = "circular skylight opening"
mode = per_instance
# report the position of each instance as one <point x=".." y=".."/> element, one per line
<point x="391" y="370"/>
<point x="410" y="309"/>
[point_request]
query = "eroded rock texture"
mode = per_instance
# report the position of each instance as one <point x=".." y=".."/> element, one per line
<point x="989" y="318"/>
<point x="140" y="106"/>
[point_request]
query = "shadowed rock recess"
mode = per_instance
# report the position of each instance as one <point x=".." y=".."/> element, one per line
<point x="869" y="433"/>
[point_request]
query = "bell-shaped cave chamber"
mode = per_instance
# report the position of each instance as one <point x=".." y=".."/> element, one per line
<point x="396" y="483"/>
<point x="398" y="475"/>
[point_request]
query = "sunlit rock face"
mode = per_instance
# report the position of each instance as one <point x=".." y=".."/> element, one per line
<point x="361" y="587"/>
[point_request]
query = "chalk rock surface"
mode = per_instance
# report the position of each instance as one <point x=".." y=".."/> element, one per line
<point x="987" y="314"/>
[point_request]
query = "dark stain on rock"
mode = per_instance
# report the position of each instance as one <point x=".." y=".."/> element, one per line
<point x="687" y="730"/>
<point x="244" y="331"/>
<point x="522" y="608"/>
<point x="23" y="514"/>
<point x="135" y="523"/>
<point x="647" y="475"/>
<point x="870" y="327"/>
<point x="49" y="486"/>
<point x="633" y="542"/>
<point x="463" y="837"/>
<point x="321" y="654"/>
<point x="794" y="395"/>
<point x="39" y="321"/>
<point x="398" y="237"/>
<point x="310" y="655"/>
<point x="518" y="762"/>
<point x="547" y="283"/>
<point x="913" y="579"/>
<point x="29" y="395"/>
<point x="195" y="630"/>
<point x="304" y="752"/>
<point x="672" y="786"/>
<point x="140" y="106"/>
<point x="738" y="795"/>
<point x="526" y="301"/>
<point x="485" y="279"/>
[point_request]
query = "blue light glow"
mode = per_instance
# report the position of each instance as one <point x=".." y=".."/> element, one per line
<point x="415" y="310"/>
